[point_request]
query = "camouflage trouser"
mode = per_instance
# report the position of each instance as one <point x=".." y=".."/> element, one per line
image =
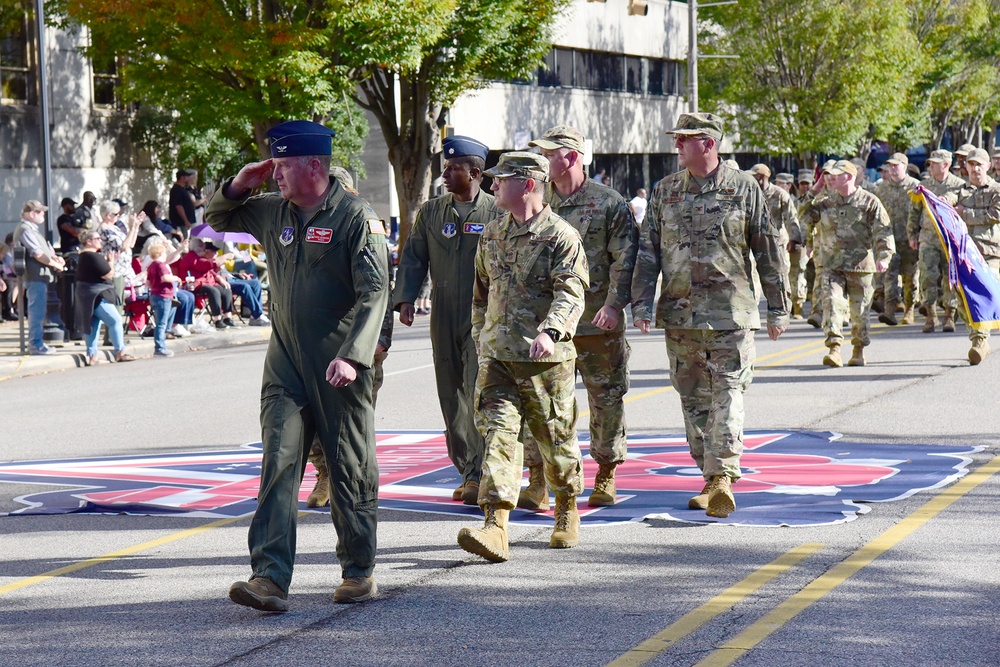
<point x="602" y="362"/>
<point x="994" y="264"/>
<point x="846" y="291"/>
<point x="817" y="295"/>
<point x="798" y="259"/>
<point x="934" y="275"/>
<point x="316" y="450"/>
<point x="784" y="259"/>
<point x="710" y="371"/>
<point x="903" y="263"/>
<point x="545" y="394"/>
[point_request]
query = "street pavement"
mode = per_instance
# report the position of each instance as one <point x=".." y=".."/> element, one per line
<point x="911" y="582"/>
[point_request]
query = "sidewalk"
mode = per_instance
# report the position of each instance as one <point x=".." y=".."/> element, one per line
<point x="72" y="354"/>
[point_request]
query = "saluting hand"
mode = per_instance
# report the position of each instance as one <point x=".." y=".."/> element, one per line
<point x="252" y="176"/>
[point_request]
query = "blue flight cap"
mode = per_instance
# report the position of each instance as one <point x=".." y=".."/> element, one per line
<point x="459" y="146"/>
<point x="300" y="137"/>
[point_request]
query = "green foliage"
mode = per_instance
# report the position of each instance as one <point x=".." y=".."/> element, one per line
<point x="12" y="15"/>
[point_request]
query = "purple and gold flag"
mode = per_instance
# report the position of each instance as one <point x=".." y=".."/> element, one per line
<point x="976" y="284"/>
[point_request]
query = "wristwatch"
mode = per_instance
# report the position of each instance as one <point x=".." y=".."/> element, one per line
<point x="553" y="334"/>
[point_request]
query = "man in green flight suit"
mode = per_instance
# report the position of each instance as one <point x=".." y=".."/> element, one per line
<point x="444" y="239"/>
<point x="611" y="240"/>
<point x="531" y="275"/>
<point x="327" y="261"/>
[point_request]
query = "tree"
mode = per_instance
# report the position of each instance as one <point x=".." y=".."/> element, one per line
<point x="811" y="77"/>
<point x="482" y="40"/>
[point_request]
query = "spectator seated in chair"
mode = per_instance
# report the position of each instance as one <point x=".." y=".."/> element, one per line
<point x="199" y="263"/>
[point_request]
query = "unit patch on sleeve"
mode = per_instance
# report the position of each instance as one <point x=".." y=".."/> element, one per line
<point x="318" y="235"/>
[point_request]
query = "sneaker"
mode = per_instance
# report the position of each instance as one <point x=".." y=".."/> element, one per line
<point x="42" y="351"/>
<point x="355" y="589"/>
<point x="163" y="353"/>
<point x="260" y="593"/>
<point x="261" y="321"/>
<point x="179" y="331"/>
<point x="228" y="321"/>
<point x="221" y="325"/>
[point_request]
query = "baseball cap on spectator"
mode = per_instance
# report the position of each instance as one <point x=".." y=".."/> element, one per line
<point x="561" y="136"/>
<point x="761" y="169"/>
<point x="67" y="201"/>
<point x="940" y="155"/>
<point x="184" y="173"/>
<point x="978" y="155"/>
<point x="898" y="158"/>
<point x="695" y="124"/>
<point x="33" y="205"/>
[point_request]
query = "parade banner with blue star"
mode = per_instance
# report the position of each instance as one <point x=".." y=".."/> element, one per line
<point x="789" y="478"/>
<point x="970" y="277"/>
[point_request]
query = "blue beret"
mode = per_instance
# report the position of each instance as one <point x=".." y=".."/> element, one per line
<point x="459" y="146"/>
<point x="300" y="137"/>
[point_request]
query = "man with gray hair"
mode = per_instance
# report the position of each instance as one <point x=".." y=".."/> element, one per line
<point x="528" y="296"/>
<point x="41" y="265"/>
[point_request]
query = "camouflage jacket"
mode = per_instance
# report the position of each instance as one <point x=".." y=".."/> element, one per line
<point x="981" y="213"/>
<point x="701" y="239"/>
<point x="782" y="208"/>
<point x="611" y="241"/>
<point x="529" y="277"/>
<point x="919" y="227"/>
<point x="439" y="241"/>
<point x="851" y="234"/>
<point x="895" y="197"/>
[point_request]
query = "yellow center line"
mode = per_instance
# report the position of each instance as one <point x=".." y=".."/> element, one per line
<point x="790" y="608"/>
<point x="90" y="562"/>
<point x="722" y="602"/>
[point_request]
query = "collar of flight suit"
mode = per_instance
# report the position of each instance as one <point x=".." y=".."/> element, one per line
<point x="334" y="196"/>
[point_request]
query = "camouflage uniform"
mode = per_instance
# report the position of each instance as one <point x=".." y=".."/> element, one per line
<point x="895" y="198"/>
<point x="701" y="239"/>
<point x="982" y="217"/>
<point x="611" y="240"/>
<point x="445" y="244"/>
<point x="529" y="277"/>
<point x="933" y="259"/>
<point x="849" y="232"/>
<point x="783" y="213"/>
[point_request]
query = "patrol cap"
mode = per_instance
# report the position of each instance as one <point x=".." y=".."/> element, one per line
<point x="806" y="176"/>
<point x="859" y="163"/>
<point x="33" y="205"/>
<point x="694" y="124"/>
<point x="459" y="146"/>
<point x="343" y="177"/>
<point x="978" y="155"/>
<point x="964" y="150"/>
<point x="520" y="164"/>
<point x="843" y="167"/>
<point x="67" y="201"/>
<point x="995" y="152"/>
<point x="827" y="166"/>
<point x="561" y="136"/>
<point x="898" y="158"/>
<point x="761" y="169"/>
<point x="784" y="177"/>
<point x="940" y="155"/>
<point x="300" y="137"/>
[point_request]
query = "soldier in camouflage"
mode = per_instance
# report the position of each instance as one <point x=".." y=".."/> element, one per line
<point x="444" y="240"/>
<point x="611" y="240"/>
<point x="798" y="256"/>
<point x="959" y="168"/>
<point x="785" y="181"/>
<point x="926" y="240"/>
<point x="852" y="240"/>
<point x="783" y="213"/>
<point x="979" y="206"/>
<point x="703" y="230"/>
<point x="816" y="297"/>
<point x="528" y="296"/>
<point x="894" y="193"/>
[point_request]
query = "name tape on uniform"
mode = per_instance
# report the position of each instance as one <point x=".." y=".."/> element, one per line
<point x="318" y="235"/>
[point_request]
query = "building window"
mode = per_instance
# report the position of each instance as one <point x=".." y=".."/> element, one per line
<point x="633" y="74"/>
<point x="106" y="82"/>
<point x="17" y="81"/>
<point x="596" y="70"/>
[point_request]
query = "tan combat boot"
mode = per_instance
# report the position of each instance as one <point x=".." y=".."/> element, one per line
<point x="888" y="316"/>
<point x="980" y="348"/>
<point x="605" y="493"/>
<point x="700" y="502"/>
<point x="721" y="502"/>
<point x="260" y="593"/>
<point x="459" y="492"/>
<point x="857" y="356"/>
<point x="320" y="496"/>
<point x="797" y="310"/>
<point x="567" y="531"/>
<point x="908" y="316"/>
<point x="816" y="318"/>
<point x="490" y="541"/>
<point x="355" y="589"/>
<point x="931" y="322"/>
<point x="948" y="323"/>
<point x="535" y="496"/>
<point x="470" y="496"/>
<point x="832" y="357"/>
